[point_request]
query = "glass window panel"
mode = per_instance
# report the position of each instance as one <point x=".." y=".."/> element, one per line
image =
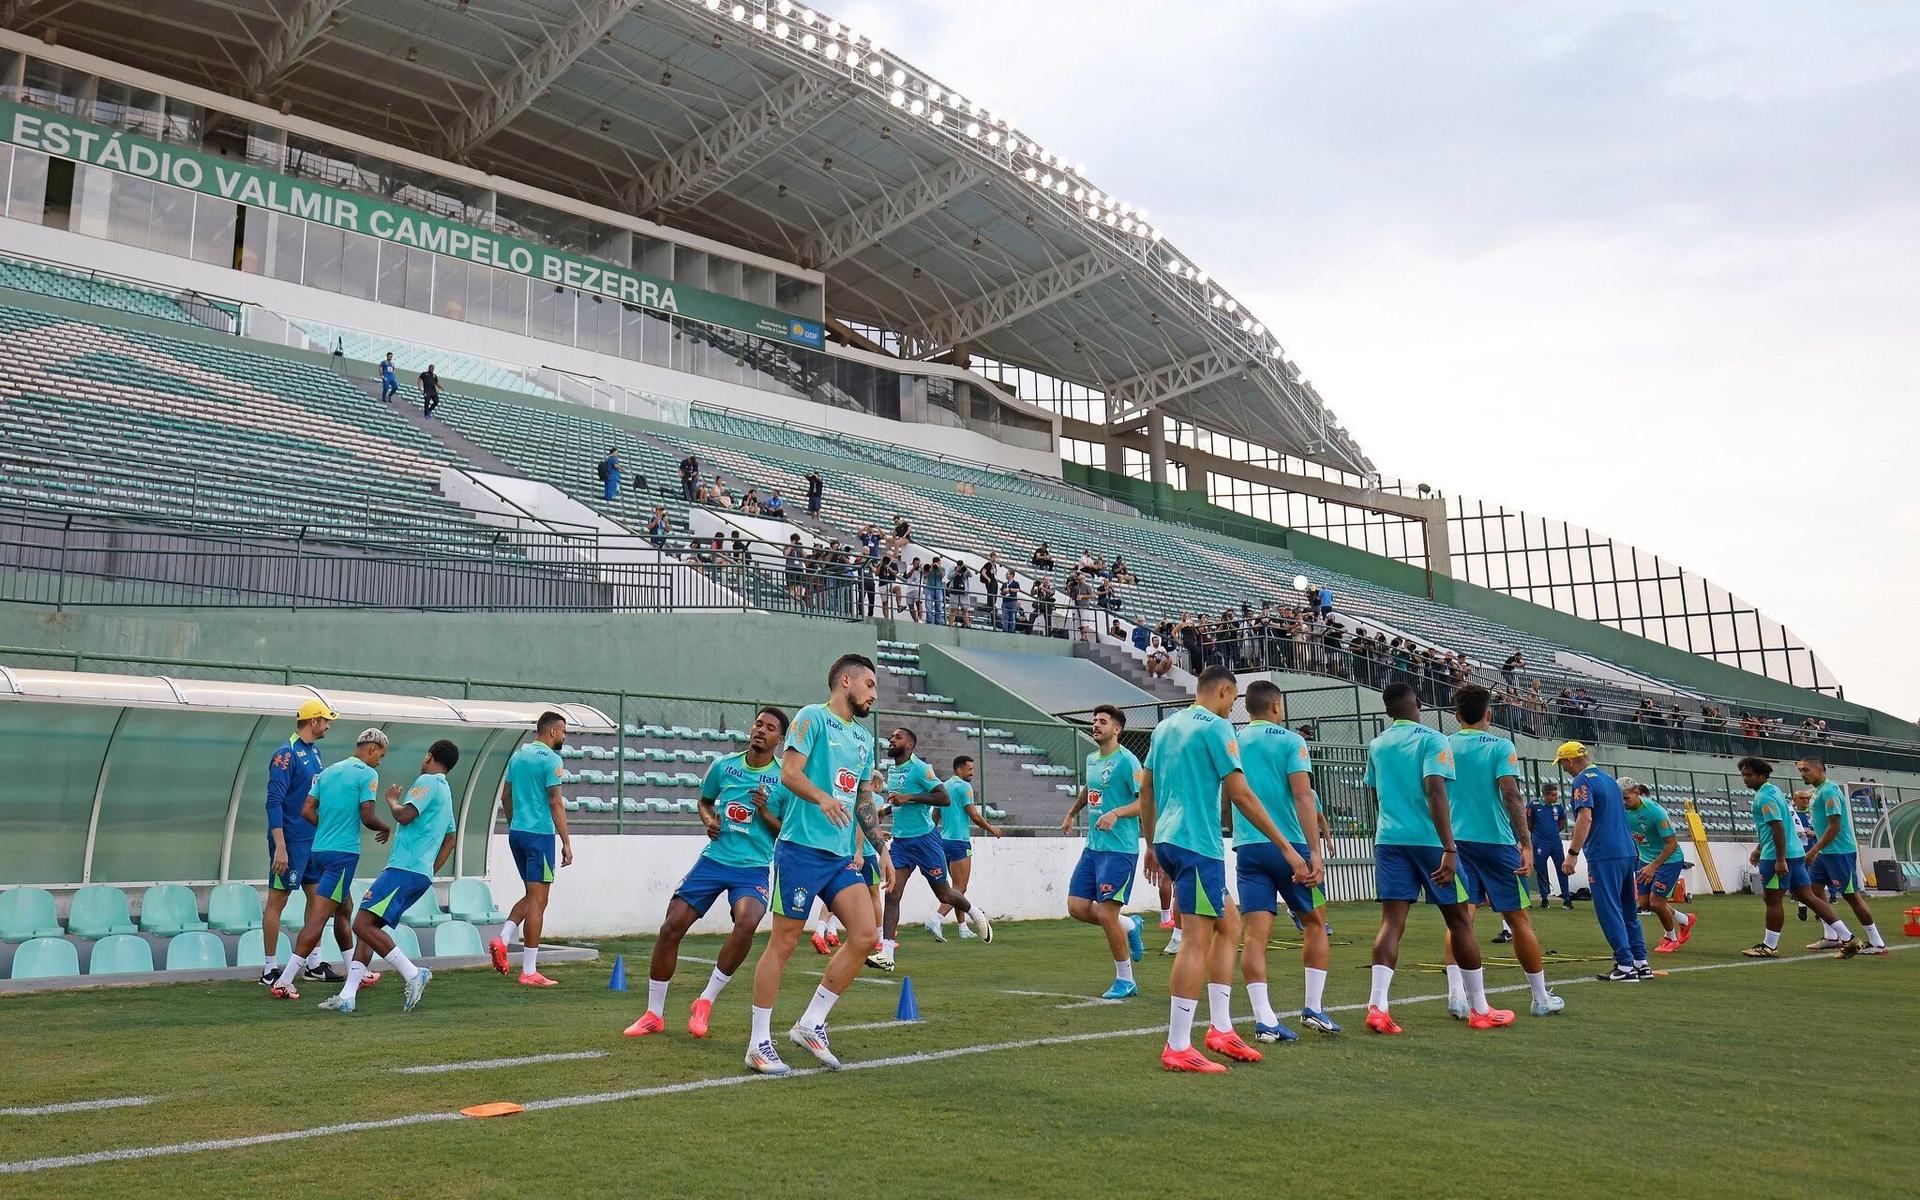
<point x="510" y="302"/>
<point x="92" y="200"/>
<point x="288" y="244"/>
<point x="164" y="811"/>
<point x="50" y="754"/>
<point x="213" y="222"/>
<point x="360" y="269"/>
<point x="393" y="274"/>
<point x="172" y="229"/>
<point x="130" y="210"/>
<point x="450" y="287"/>
<point x="419" y="281"/>
<point x="326" y="250"/>
<point x="27" y="186"/>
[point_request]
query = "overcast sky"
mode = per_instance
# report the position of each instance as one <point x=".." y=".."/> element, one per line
<point x="1654" y="268"/>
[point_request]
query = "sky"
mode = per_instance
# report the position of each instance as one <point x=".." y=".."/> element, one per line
<point x="1651" y="268"/>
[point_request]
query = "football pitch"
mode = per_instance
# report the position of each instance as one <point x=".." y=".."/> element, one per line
<point x="1727" y="1077"/>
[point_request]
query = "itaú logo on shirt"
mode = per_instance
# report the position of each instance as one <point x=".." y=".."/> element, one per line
<point x="1093" y="797"/>
<point x="845" y="782"/>
<point x="738" y="812"/>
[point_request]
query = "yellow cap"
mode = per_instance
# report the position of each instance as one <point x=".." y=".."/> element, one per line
<point x="1569" y="750"/>
<point x="312" y="709"/>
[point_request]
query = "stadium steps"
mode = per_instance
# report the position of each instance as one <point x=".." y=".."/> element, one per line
<point x="1131" y="669"/>
<point x="463" y="450"/>
<point x="1006" y="789"/>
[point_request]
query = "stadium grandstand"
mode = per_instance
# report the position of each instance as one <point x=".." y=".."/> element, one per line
<point x="748" y="343"/>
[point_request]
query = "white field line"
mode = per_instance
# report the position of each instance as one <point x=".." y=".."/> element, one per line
<point x="1079" y="1001"/>
<point x="74" y="1106"/>
<point x="816" y="974"/>
<point x="488" y="1064"/>
<point x="136" y="1153"/>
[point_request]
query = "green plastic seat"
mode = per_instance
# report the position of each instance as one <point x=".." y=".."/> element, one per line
<point x="234" y="908"/>
<point x="294" y="915"/>
<point x="251" y="951"/>
<point x="457" y="939"/>
<point x="471" y="900"/>
<point x="27" y="913"/>
<point x="406" y="941"/>
<point x="425" y="912"/>
<point x="121" y="954"/>
<point x="46" y="958"/>
<point x="99" y="910"/>
<point x="169" y="908"/>
<point x="195" y="950"/>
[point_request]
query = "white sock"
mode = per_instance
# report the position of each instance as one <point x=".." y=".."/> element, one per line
<point x="657" y="996"/>
<point x="529" y="957"/>
<point x="817" y="1011"/>
<point x="401" y="963"/>
<point x="1166" y="914"/>
<point x="1476" y="984"/>
<point x="817" y="922"/>
<point x="1220" y="1006"/>
<point x="356" y="975"/>
<point x="1832" y="932"/>
<point x="1123" y="970"/>
<point x="292" y="968"/>
<point x="1681" y="920"/>
<point x="313" y="959"/>
<point x="1316" y="987"/>
<point x="833" y="924"/>
<point x="272" y="967"/>
<point x="1262" y="1010"/>
<point x="1873" y="934"/>
<point x="715" y="983"/>
<point x="1382" y="983"/>
<point x="1456" y="984"/>
<point x="889" y="945"/>
<point x="1180" y="1024"/>
<point x="762" y="1025"/>
<point x="1506" y="928"/>
<point x="1772" y="940"/>
<point x="509" y="933"/>
<point x="1841" y="933"/>
<point x="1537" y="980"/>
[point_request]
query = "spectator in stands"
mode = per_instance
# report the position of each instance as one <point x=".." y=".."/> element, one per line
<point x="722" y="495"/>
<point x="1712" y="721"/>
<point x="1323" y="600"/>
<point x="1188" y="634"/>
<point x="1108" y="597"/>
<point x="934" y="583"/>
<point x="429" y="391"/>
<point x="1085" y="565"/>
<point x="1141" y="635"/>
<point x="1042" y="558"/>
<point x="1159" y="662"/>
<point x="960" y="594"/>
<point x="990" y="582"/>
<point x="816" y="489"/>
<point x="1122" y="573"/>
<point x="889" y="575"/>
<point x="1083" y="606"/>
<point x="1043" y="596"/>
<point x="913" y="580"/>
<point x="1116" y="630"/>
<point x="657" y="528"/>
<point x="1009" y="603"/>
<point x="1536" y="710"/>
<point x="689" y="478"/>
<point x="902" y="533"/>
<point x="1333" y="642"/>
<point x="795" y="556"/>
<point x="389" y="383"/>
<point x="737" y="555"/>
<point x="709" y="554"/>
<point x="1515" y="662"/>
<point x="609" y="472"/>
<point x="750" y="503"/>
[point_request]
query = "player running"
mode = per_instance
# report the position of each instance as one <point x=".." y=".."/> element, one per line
<point x="290" y="777"/>
<point x="1547" y="820"/>
<point x="340" y="802"/>
<point x="1662" y="862"/>
<point x="740" y="804"/>
<point x="1783" y="865"/>
<point x="1103" y="878"/>
<point x="1495" y="854"/>
<point x="1835" y="855"/>
<point x="1414" y="854"/>
<point x="536" y="815"/>
<point x="1193" y="763"/>
<point x="421" y="846"/>
<point x="1600" y="817"/>
<point x="914" y="792"/>
<point x="962" y="815"/>
<point x="827" y="767"/>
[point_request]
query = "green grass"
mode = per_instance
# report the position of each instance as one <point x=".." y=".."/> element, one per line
<point x="1791" y="1077"/>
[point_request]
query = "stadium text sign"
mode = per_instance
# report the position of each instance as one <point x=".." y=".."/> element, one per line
<point x="210" y="175"/>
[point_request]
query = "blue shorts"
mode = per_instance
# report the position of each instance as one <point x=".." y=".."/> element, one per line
<point x="1664" y="878"/>
<point x="1797" y="875"/>
<point x="1406" y="873"/>
<point x="1837" y="871"/>
<point x="925" y="853"/>
<point x="1487" y="869"/>
<point x="335" y="875"/>
<point x="1199" y="882"/>
<point x="802" y="873"/>
<point x="299" y="870"/>
<point x="1266" y="880"/>
<point x="957" y="851"/>
<point x="532" y="854"/>
<point x="393" y="892"/>
<point x="704" y="883"/>
<point x="1103" y="876"/>
<point x="870" y="872"/>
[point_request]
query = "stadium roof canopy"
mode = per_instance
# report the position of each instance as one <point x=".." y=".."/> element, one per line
<point x="773" y="127"/>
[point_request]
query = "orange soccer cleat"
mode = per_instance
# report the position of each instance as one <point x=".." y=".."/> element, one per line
<point x="1667" y="945"/>
<point x="1230" y="1044"/>
<point x="497" y="951"/>
<point x="1493" y="1018"/>
<point x="648" y="1023"/>
<point x="1190" y="1060"/>
<point x="536" y="979"/>
<point x="698" y="1019"/>
<point x="1682" y="933"/>
<point x="820" y="945"/>
<point x="1381" y="1021"/>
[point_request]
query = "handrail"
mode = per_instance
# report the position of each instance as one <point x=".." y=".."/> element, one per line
<point x="225" y="304"/>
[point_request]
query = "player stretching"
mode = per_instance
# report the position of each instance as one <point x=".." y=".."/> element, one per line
<point x="1495" y="850"/>
<point x="827" y="767"/>
<point x="290" y="778"/>
<point x="1193" y="764"/>
<point x="420" y="848"/>
<point x="340" y="802"/>
<point x="1834" y="854"/>
<point x="1270" y="872"/>
<point x="1783" y="865"/>
<point x="1414" y="854"/>
<point x="1600" y="818"/>
<point x="1662" y="862"/>
<point x="740" y="804"/>
<point x="914" y="791"/>
<point x="962" y="815"/>
<point x="536" y="814"/>
<point x="1103" y="878"/>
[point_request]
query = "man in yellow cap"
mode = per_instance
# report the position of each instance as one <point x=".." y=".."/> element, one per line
<point x="290" y="837"/>
<point x="1600" y="826"/>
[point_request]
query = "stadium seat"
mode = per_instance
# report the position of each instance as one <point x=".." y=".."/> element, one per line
<point x="195" y="950"/>
<point x="251" y="953"/>
<point x="406" y="941"/>
<point x="169" y="908"/>
<point x="27" y="913"/>
<point x="46" y="958"/>
<point x="425" y="912"/>
<point x="234" y="908"/>
<point x="471" y="900"/>
<point x="294" y="915"/>
<point x="99" y="910"/>
<point x="457" y="939"/>
<point x="121" y="954"/>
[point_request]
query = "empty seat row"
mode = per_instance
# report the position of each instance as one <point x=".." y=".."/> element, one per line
<point x="202" y="950"/>
<point x="100" y="911"/>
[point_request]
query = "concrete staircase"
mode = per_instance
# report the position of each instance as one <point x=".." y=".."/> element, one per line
<point x="1132" y="670"/>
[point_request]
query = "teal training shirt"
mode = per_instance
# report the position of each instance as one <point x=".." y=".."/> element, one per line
<point x="839" y="759"/>
<point x="1191" y="754"/>
<point x="1272" y="755"/>
<point x="417" y="843"/>
<point x="341" y="789"/>
<point x="954" y="823"/>
<point x="1399" y="763"/>
<point x="1480" y="761"/>
<point x="1770" y="805"/>
<point x="1651" y="827"/>
<point x="533" y="769"/>
<point x="745" y="840"/>
<point x="1830" y="805"/>
<point x="912" y="778"/>
<point x="1113" y="782"/>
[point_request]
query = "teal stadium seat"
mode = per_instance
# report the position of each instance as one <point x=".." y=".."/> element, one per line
<point x="46" y="958"/>
<point x="294" y="915"/>
<point x="27" y="913"/>
<point x="195" y="950"/>
<point x="169" y="908"/>
<point x="425" y="912"/>
<point x="251" y="950"/>
<point x="234" y="908"/>
<point x="99" y="910"/>
<point x="471" y="900"/>
<point x="121" y="954"/>
<point x="406" y="941"/>
<point x="457" y="939"/>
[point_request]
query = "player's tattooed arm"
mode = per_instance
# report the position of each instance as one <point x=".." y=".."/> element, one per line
<point x="867" y="813"/>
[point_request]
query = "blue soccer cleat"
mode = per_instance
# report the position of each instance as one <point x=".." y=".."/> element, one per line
<point x="1551" y="1005"/>
<point x="1313" y="1018"/>
<point x="1275" y="1032"/>
<point x="1297" y="926"/>
<point x="416" y="988"/>
<point x="1122" y="989"/>
<point x="339" y="1004"/>
<point x="1136" y="944"/>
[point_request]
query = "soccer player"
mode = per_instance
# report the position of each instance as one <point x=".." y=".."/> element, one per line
<point x="826" y="765"/>
<point x="1600" y="817"/>
<point x="421" y="846"/>
<point x="1783" y="865"/>
<point x="1547" y="819"/>
<point x="536" y="815"/>
<point x="1285" y="870"/>
<point x="1834" y="854"/>
<point x="1494" y="851"/>
<point x="957" y="822"/>
<point x="1102" y="880"/>
<point x="740" y="804"/>
<point x="340" y="802"/>
<point x="914" y="792"/>
<point x="1192" y="768"/>
<point x="1414" y="854"/>
<point x="1661" y="862"/>
<point x="290" y="777"/>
